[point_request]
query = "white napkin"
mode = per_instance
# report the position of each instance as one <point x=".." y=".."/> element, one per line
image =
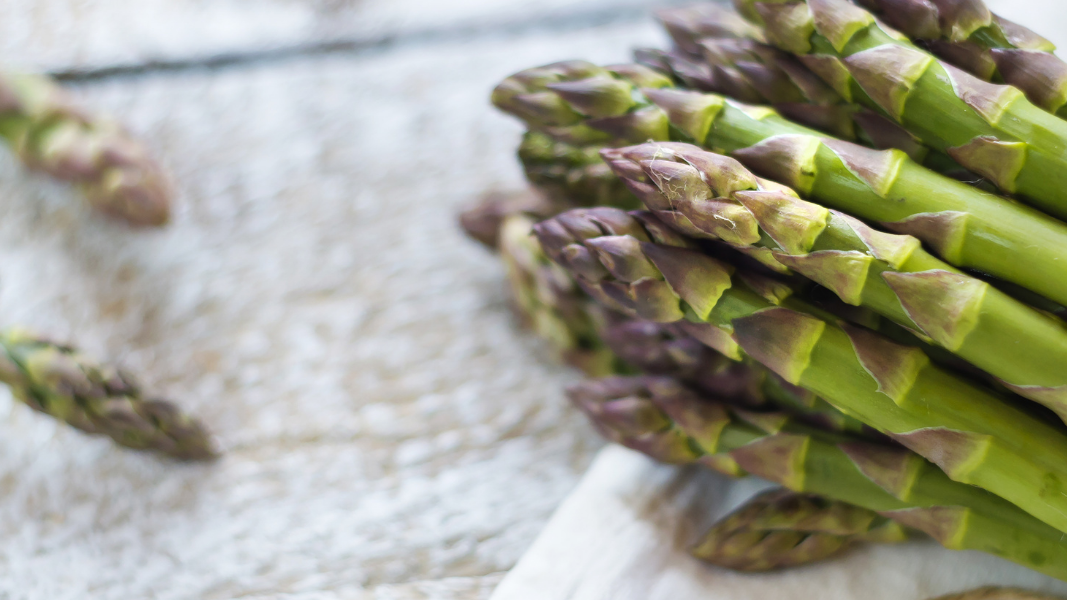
<point x="623" y="535"/>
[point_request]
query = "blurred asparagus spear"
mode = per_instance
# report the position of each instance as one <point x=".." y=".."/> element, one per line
<point x="992" y="130"/>
<point x="484" y="221"/>
<point x="998" y="593"/>
<point x="96" y="398"/>
<point x="780" y="528"/>
<point x="50" y="133"/>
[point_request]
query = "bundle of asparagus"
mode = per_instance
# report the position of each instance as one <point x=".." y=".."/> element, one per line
<point x="600" y="341"/>
<point x="789" y="150"/>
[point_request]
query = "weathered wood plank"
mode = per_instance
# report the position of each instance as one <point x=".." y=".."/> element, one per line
<point x="73" y="34"/>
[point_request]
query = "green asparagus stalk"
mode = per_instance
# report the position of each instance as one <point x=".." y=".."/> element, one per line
<point x="574" y="175"/>
<point x="993" y="130"/>
<point x="745" y="69"/>
<point x="97" y="399"/>
<point x="671" y="350"/>
<point x="667" y="350"/>
<point x="779" y="529"/>
<point x="690" y="24"/>
<point x="548" y="301"/>
<point x="968" y="35"/>
<point x="711" y="196"/>
<point x="663" y="419"/>
<point x="965" y="226"/>
<point x="638" y="263"/>
<point x="50" y="133"/>
<point x="484" y="221"/>
<point x="750" y="72"/>
<point x="586" y="336"/>
<point x="997" y="593"/>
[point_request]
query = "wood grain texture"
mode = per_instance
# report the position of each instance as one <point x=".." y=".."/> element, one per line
<point x="90" y="34"/>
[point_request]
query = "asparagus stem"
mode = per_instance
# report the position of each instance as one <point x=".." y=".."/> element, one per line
<point x="548" y="300"/>
<point x="663" y="419"/>
<point x="965" y="226"/>
<point x="688" y="25"/>
<point x="973" y="435"/>
<point x="969" y="36"/>
<point x="50" y="133"/>
<point x="993" y="130"/>
<point x="484" y="221"/>
<point x="744" y="68"/>
<point x="780" y="529"/>
<point x="572" y="174"/>
<point x="98" y="399"/>
<point x="997" y="593"/>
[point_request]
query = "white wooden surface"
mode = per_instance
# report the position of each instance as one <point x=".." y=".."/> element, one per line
<point x="64" y="34"/>
<point x="391" y="434"/>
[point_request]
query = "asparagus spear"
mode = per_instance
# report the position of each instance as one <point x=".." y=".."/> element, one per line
<point x="665" y="349"/>
<point x="744" y="68"/>
<point x="713" y="196"/>
<point x="671" y="350"/>
<point x="688" y="25"/>
<point x="98" y="399"/>
<point x="968" y="35"/>
<point x="779" y="529"/>
<point x="996" y="593"/>
<point x="50" y="133"/>
<point x="574" y="175"/>
<point x="599" y="341"/>
<point x="993" y="130"/>
<point x="751" y="72"/>
<point x="484" y="221"/>
<point x="636" y="262"/>
<point x="965" y="226"/>
<point x="670" y="423"/>
<point x="547" y="300"/>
